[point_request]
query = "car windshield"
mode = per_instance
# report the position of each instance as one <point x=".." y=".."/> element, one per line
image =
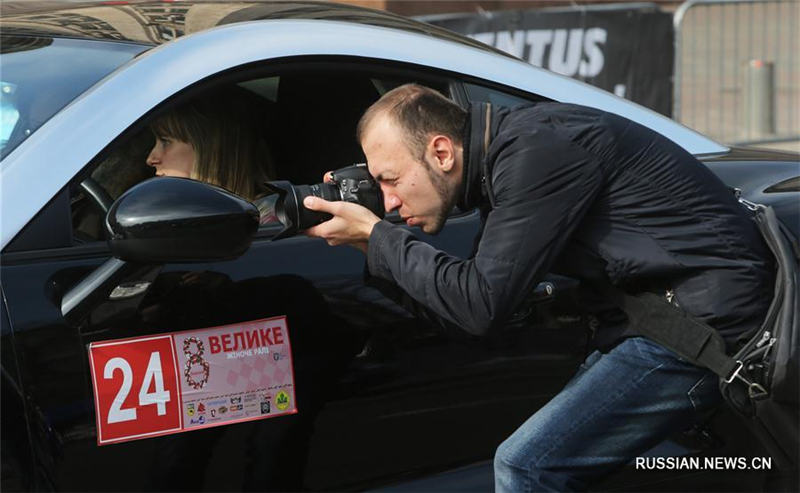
<point x="41" y="75"/>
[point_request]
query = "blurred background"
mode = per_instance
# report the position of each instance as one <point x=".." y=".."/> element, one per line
<point x="729" y="69"/>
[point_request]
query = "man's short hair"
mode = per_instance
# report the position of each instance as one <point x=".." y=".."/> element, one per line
<point x="420" y="112"/>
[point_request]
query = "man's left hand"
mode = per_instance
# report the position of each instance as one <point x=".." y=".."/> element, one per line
<point x="351" y="223"/>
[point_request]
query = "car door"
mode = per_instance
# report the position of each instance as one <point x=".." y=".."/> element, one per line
<point x="381" y="394"/>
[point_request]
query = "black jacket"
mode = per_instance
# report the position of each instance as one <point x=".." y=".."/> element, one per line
<point x="592" y="195"/>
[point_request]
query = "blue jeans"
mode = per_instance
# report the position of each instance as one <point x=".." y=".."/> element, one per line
<point x="619" y="405"/>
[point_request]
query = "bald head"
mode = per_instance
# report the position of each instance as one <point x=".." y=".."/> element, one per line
<point x="418" y="112"/>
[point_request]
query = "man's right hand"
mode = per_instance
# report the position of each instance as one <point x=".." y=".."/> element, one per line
<point x="351" y="223"/>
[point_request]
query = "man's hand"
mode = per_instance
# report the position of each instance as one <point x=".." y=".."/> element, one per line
<point x="351" y="223"/>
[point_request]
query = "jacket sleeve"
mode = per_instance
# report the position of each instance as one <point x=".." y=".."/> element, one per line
<point x="543" y="187"/>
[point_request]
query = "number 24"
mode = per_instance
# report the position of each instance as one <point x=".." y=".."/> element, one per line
<point x="159" y="396"/>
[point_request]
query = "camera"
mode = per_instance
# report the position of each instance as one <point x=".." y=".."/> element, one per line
<point x="284" y="201"/>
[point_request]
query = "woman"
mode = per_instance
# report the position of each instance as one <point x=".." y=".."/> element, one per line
<point x="218" y="139"/>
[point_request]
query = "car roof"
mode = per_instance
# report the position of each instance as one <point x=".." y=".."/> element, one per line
<point x="79" y="131"/>
<point x="281" y="28"/>
<point x="160" y="22"/>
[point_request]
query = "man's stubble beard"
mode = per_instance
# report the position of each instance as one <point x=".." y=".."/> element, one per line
<point x="447" y="194"/>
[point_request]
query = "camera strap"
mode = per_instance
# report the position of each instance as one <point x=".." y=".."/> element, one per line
<point x="486" y="177"/>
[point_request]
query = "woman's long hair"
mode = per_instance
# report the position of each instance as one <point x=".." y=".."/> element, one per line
<point x="226" y="129"/>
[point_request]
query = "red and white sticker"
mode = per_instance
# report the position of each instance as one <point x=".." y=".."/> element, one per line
<point x="182" y="381"/>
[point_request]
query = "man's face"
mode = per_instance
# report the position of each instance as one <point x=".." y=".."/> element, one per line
<point x="421" y="192"/>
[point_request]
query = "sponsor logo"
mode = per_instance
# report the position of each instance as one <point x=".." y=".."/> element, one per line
<point x="217" y="402"/>
<point x="282" y="400"/>
<point x="265" y="407"/>
<point x="237" y="407"/>
<point x="201" y="408"/>
<point x="251" y="404"/>
<point x="213" y="413"/>
<point x="190" y="409"/>
<point x="197" y="421"/>
<point x="547" y="48"/>
<point x="236" y="400"/>
<point x="223" y="409"/>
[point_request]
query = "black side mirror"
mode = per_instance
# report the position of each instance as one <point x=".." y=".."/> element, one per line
<point x="164" y="220"/>
<point x="169" y="219"/>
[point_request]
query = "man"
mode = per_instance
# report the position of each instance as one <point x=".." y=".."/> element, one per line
<point x="581" y="192"/>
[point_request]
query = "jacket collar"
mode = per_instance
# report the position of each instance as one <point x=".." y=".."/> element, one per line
<point x="478" y="133"/>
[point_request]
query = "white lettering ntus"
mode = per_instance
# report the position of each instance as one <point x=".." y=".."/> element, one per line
<point x="568" y="52"/>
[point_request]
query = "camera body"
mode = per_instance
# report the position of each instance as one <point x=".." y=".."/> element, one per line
<point x="350" y="184"/>
<point x="356" y="185"/>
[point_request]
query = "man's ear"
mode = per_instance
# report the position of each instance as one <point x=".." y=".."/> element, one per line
<point x="443" y="152"/>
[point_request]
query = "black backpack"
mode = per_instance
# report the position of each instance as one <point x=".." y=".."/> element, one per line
<point x="760" y="381"/>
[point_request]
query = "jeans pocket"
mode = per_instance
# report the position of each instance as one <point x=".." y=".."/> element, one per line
<point x="705" y="393"/>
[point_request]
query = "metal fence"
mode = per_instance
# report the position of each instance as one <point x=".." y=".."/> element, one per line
<point x="737" y="69"/>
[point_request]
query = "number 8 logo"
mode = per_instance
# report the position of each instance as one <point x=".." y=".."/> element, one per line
<point x="195" y="359"/>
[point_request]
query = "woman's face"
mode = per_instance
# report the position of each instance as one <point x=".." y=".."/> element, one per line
<point x="172" y="157"/>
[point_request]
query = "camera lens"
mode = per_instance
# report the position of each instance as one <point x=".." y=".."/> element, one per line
<point x="351" y="183"/>
<point x="307" y="218"/>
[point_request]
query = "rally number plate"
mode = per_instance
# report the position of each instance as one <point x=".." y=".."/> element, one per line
<point x="183" y="381"/>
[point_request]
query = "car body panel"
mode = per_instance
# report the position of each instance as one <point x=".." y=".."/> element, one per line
<point x="410" y="386"/>
<point x="754" y="171"/>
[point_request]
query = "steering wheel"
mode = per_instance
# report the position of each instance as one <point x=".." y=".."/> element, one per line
<point x="97" y="194"/>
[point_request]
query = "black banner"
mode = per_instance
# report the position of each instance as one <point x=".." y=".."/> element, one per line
<point x="627" y="51"/>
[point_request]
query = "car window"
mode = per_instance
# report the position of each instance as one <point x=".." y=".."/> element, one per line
<point x="9" y="115"/>
<point x="266" y="87"/>
<point x="307" y="119"/>
<point x="41" y="75"/>
<point x="496" y="97"/>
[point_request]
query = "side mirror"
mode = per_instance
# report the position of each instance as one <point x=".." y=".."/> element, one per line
<point x="164" y="220"/>
<point x="168" y="219"/>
